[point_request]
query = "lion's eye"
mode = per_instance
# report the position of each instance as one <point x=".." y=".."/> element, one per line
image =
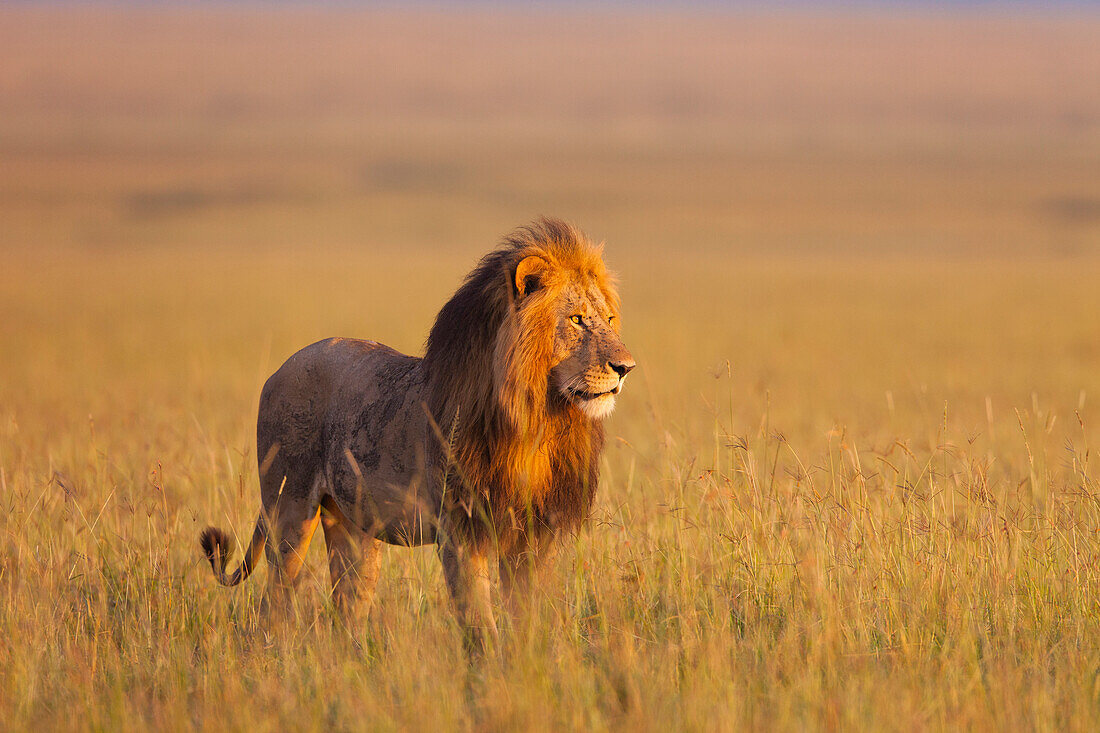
<point x="610" y="319"/>
<point x="577" y="320"/>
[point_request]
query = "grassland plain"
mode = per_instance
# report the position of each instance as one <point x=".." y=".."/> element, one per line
<point x="850" y="485"/>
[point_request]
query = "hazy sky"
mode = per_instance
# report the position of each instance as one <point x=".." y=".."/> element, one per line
<point x="651" y="3"/>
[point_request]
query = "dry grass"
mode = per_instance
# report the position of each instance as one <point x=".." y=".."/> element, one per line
<point x="849" y="486"/>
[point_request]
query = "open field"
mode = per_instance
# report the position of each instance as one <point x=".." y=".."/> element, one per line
<point x="850" y="485"/>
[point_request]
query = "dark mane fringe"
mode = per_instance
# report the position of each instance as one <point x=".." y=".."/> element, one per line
<point x="516" y="457"/>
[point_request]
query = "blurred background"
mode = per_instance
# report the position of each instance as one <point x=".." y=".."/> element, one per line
<point x="857" y="206"/>
<point x="848" y="486"/>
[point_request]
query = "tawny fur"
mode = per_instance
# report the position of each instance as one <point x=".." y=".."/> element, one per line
<point x="487" y="444"/>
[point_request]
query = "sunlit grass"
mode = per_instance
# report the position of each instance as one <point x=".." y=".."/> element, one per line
<point x="871" y="528"/>
<point x="850" y="485"/>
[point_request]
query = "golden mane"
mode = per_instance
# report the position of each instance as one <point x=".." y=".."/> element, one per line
<point x="502" y="425"/>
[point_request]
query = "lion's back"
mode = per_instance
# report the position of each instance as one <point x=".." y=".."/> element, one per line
<point x="296" y="399"/>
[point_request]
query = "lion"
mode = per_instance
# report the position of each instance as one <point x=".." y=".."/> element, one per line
<point x="488" y="446"/>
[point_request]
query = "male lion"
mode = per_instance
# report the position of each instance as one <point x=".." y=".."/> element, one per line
<point x="488" y="446"/>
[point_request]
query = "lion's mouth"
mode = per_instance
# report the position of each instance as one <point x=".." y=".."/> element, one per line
<point x="585" y="395"/>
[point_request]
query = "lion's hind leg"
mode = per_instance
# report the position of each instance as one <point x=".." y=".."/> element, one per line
<point x="293" y="524"/>
<point x="354" y="559"/>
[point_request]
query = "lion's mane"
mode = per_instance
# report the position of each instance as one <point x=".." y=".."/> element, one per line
<point x="517" y="457"/>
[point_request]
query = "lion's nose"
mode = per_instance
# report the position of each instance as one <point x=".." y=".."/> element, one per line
<point x="622" y="368"/>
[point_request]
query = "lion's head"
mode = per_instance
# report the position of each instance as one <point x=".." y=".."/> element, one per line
<point x="524" y="361"/>
<point x="539" y="326"/>
<point x="562" y="336"/>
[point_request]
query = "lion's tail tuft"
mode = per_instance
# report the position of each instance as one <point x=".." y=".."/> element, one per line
<point x="218" y="548"/>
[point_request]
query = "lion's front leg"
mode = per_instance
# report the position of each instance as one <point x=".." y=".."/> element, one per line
<point x="466" y="570"/>
<point x="521" y="567"/>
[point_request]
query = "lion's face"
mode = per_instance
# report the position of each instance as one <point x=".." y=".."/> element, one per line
<point x="590" y="362"/>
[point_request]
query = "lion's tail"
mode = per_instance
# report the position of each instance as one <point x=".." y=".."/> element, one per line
<point x="218" y="548"/>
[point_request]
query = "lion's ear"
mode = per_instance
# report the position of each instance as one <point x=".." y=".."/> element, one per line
<point x="529" y="274"/>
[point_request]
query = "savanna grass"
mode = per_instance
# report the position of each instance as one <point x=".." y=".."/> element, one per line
<point x="914" y="565"/>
